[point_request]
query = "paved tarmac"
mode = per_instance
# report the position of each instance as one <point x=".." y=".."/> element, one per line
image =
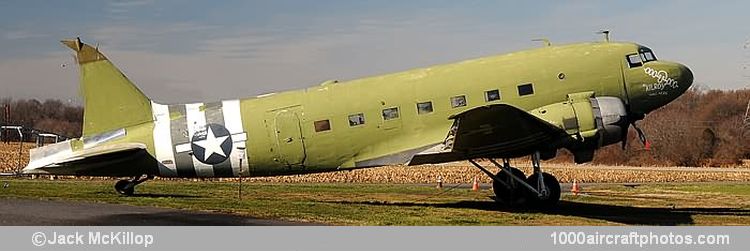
<point x="15" y="212"/>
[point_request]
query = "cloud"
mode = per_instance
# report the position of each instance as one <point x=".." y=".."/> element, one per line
<point x="120" y="10"/>
<point x="21" y="34"/>
<point x="241" y="44"/>
<point x="149" y="37"/>
<point x="119" y="6"/>
<point x="130" y="3"/>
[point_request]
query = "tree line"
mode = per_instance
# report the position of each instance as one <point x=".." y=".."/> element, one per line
<point x="51" y="115"/>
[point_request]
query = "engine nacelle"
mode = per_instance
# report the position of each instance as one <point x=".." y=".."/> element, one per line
<point x="611" y="118"/>
<point x="591" y="122"/>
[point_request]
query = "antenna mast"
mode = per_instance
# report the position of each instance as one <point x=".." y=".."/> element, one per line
<point x="543" y="40"/>
<point x="606" y="34"/>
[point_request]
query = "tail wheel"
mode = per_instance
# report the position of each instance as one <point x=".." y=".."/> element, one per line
<point x="513" y="195"/>
<point x="550" y="194"/>
<point x="125" y="187"/>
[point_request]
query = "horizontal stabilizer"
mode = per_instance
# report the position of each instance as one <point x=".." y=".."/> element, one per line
<point x="60" y="155"/>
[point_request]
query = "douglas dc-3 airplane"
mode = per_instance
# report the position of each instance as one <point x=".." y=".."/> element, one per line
<point x="528" y="103"/>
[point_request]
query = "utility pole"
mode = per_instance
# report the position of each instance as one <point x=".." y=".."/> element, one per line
<point x="7" y="114"/>
<point x="6" y="121"/>
<point x="20" y="152"/>
<point x="242" y="156"/>
<point x="746" y="68"/>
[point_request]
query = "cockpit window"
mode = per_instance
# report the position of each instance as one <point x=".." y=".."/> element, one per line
<point x="646" y="54"/>
<point x="634" y="60"/>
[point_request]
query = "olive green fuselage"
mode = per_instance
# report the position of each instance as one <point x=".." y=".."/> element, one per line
<point x="374" y="121"/>
<point x="553" y="72"/>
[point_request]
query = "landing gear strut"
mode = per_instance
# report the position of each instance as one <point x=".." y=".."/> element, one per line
<point x="513" y="188"/>
<point x="127" y="187"/>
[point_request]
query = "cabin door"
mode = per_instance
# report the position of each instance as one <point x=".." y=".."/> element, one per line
<point x="289" y="141"/>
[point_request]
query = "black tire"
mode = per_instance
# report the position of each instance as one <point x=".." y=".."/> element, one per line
<point x="553" y="191"/>
<point x="124" y="187"/>
<point x="509" y="196"/>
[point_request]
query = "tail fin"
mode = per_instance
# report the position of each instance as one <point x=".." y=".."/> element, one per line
<point x="111" y="101"/>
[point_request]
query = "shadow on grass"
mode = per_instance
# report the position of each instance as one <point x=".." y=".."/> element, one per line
<point x="161" y="195"/>
<point x="181" y="218"/>
<point x="146" y="195"/>
<point x="613" y="213"/>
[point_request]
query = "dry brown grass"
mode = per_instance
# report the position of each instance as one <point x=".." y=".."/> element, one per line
<point x="9" y="156"/>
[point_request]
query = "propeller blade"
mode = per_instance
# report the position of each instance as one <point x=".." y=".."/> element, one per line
<point x="642" y="137"/>
<point x="631" y="119"/>
<point x="625" y="125"/>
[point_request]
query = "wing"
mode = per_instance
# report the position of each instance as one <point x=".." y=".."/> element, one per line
<point x="495" y="131"/>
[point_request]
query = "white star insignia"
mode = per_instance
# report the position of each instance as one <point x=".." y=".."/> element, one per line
<point x="212" y="144"/>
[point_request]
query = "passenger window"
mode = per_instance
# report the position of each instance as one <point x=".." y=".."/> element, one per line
<point x="356" y="119"/>
<point x="525" y="89"/>
<point x="634" y="60"/>
<point x="390" y="113"/>
<point x="424" y="107"/>
<point x="458" y="101"/>
<point x="322" y="125"/>
<point x="492" y="95"/>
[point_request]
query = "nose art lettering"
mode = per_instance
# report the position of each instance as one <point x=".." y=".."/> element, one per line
<point x="662" y="80"/>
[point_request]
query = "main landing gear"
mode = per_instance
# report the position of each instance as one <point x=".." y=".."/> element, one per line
<point x="127" y="187"/>
<point x="513" y="188"/>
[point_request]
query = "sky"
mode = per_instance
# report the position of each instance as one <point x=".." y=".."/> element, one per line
<point x="186" y="51"/>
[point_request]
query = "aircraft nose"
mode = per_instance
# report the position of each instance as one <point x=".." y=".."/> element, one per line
<point x="685" y="76"/>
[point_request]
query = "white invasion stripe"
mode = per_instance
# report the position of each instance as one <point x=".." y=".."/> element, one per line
<point x="183" y="148"/>
<point x="196" y="121"/>
<point x="163" y="140"/>
<point x="239" y="137"/>
<point x="233" y="123"/>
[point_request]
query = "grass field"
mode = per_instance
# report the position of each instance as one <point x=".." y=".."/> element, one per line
<point x="403" y="204"/>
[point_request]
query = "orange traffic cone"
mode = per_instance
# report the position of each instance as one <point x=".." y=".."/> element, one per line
<point x="475" y="186"/>
<point x="575" y="190"/>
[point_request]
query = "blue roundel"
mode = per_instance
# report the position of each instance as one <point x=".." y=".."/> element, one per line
<point x="212" y="145"/>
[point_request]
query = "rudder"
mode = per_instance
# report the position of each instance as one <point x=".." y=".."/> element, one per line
<point x="111" y="101"/>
